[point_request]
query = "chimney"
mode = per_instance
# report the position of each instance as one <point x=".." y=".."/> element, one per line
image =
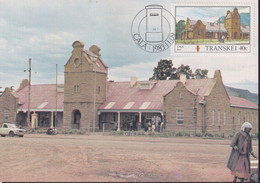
<point x="133" y="81"/>
<point x="95" y="49"/>
<point x="217" y="74"/>
<point x="183" y="78"/>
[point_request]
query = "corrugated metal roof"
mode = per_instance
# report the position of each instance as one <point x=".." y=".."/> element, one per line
<point x="149" y="99"/>
<point x="121" y="96"/>
<point x="244" y="28"/>
<point x="241" y="102"/>
<point x="122" y="93"/>
<point x="216" y="27"/>
<point x="199" y="86"/>
<point x="43" y="97"/>
<point x="98" y="65"/>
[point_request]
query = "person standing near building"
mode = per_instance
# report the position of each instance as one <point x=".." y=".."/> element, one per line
<point x="239" y="162"/>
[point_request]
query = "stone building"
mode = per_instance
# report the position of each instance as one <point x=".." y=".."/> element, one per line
<point x="231" y="28"/>
<point x="85" y="87"/>
<point x="88" y="101"/>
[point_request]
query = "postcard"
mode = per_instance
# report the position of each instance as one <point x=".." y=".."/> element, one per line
<point x="129" y="91"/>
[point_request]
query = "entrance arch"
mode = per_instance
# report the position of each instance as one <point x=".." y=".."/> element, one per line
<point x="75" y="119"/>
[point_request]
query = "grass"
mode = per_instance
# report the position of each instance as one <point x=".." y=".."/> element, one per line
<point x="148" y="133"/>
<point x="178" y="134"/>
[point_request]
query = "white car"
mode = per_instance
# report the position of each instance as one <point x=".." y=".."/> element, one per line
<point x="11" y="130"/>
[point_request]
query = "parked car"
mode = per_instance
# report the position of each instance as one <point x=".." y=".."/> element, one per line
<point x="52" y="131"/>
<point x="11" y="129"/>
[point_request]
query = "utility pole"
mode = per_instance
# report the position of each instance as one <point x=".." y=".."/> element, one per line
<point x="94" y="113"/>
<point x="56" y="96"/>
<point x="29" y="95"/>
<point x="219" y="28"/>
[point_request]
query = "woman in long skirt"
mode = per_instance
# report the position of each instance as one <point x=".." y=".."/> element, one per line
<point x="239" y="162"/>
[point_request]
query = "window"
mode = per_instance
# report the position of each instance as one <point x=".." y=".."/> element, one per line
<point x="252" y="117"/>
<point x="224" y="117"/>
<point x="179" y="116"/>
<point x="239" y="118"/>
<point x="199" y="32"/>
<point x="218" y="117"/>
<point x="76" y="88"/>
<point x="6" y="114"/>
<point x="213" y="117"/>
<point x="248" y="117"/>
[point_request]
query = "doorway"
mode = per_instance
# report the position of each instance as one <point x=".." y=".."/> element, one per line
<point x="75" y="119"/>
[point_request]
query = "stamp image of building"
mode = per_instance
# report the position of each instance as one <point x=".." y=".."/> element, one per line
<point x="87" y="100"/>
<point x="231" y="28"/>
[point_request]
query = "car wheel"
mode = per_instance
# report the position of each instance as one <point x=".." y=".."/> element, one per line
<point x="11" y="134"/>
<point x="20" y="135"/>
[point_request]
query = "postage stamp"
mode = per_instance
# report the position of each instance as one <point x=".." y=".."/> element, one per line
<point x="215" y="27"/>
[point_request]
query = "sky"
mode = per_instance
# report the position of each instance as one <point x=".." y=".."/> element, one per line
<point x="44" y="31"/>
<point x="210" y="14"/>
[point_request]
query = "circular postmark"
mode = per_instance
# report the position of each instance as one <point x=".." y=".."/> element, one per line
<point x="153" y="29"/>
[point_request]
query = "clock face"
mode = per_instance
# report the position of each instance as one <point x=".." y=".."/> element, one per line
<point x="76" y="62"/>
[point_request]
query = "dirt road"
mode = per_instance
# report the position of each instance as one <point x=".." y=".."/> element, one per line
<point x="39" y="157"/>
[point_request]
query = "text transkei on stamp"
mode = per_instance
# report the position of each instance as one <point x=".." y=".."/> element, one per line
<point x="215" y="26"/>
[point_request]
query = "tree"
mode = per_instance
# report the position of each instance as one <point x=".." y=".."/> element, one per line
<point x="165" y="70"/>
<point x="200" y="73"/>
<point x="183" y="69"/>
<point x="179" y="28"/>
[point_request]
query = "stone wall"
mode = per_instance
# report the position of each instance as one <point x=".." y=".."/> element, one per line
<point x="90" y="89"/>
<point x="240" y="115"/>
<point x="181" y="98"/>
<point x="8" y="102"/>
<point x="219" y="102"/>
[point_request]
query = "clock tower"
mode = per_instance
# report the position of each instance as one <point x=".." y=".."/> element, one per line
<point x="84" y="87"/>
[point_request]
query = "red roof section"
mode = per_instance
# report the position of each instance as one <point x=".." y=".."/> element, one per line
<point x="199" y="86"/>
<point x="121" y="93"/>
<point x="43" y="97"/>
<point x="98" y="65"/>
<point x="241" y="102"/>
<point x="121" y="96"/>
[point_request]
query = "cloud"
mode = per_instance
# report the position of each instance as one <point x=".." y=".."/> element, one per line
<point x="45" y="31"/>
<point x="3" y="44"/>
<point x="210" y="14"/>
<point x="244" y="10"/>
<point x="2" y="22"/>
<point x="143" y="71"/>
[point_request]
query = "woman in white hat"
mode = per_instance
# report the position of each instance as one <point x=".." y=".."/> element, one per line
<point x="239" y="162"/>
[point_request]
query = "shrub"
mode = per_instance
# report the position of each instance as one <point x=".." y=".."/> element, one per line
<point x="198" y="135"/>
<point x="254" y="135"/>
<point x="187" y="134"/>
<point x="208" y="135"/>
<point x="217" y="135"/>
<point x="179" y="133"/>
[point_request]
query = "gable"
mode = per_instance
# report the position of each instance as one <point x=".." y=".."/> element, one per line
<point x="83" y="60"/>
